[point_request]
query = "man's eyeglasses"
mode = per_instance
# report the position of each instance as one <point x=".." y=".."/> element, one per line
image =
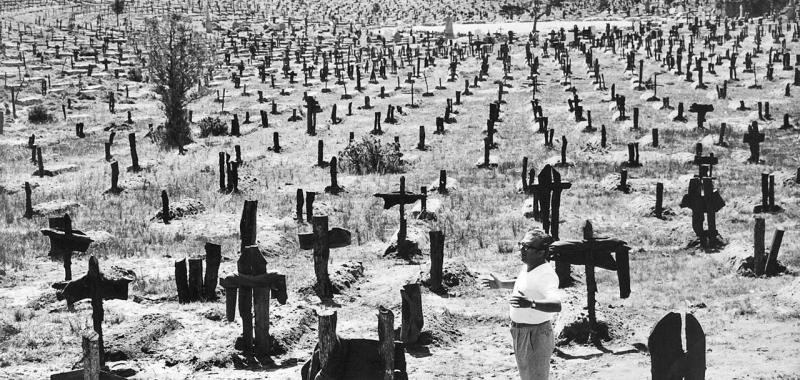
<point x="530" y="246"/>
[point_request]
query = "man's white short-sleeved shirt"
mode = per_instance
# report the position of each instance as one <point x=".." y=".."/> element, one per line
<point x="537" y="284"/>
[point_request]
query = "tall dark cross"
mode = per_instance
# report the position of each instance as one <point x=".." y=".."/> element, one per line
<point x="321" y="240"/>
<point x="704" y="202"/>
<point x="97" y="287"/>
<point x="548" y="193"/>
<point x="595" y="252"/>
<point x="64" y="240"/>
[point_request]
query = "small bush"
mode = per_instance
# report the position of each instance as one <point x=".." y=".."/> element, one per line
<point x="370" y="156"/>
<point x="212" y="126"/>
<point x="135" y="75"/>
<point x="38" y="115"/>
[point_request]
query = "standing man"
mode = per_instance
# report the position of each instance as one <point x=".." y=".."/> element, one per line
<point x="534" y="299"/>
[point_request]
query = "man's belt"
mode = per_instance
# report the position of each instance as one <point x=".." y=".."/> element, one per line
<point x="521" y="325"/>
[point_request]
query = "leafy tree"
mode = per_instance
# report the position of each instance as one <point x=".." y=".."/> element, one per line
<point x="176" y="56"/>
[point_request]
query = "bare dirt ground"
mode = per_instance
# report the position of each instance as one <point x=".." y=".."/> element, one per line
<point x="752" y="324"/>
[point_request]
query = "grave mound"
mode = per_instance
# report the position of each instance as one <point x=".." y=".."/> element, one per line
<point x="290" y="327"/>
<point x="745" y="267"/>
<point x="181" y="209"/>
<point x="581" y="332"/>
<point x="342" y="278"/>
<point x="454" y="274"/>
<point x="141" y="338"/>
<point x="440" y="330"/>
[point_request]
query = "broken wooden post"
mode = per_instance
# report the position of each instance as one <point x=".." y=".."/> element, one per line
<point x="759" y="261"/>
<point x="667" y="358"/>
<point x="300" y="202"/>
<point x="28" y="205"/>
<point x="659" y="209"/>
<point x="386" y="342"/>
<point x="182" y="280"/>
<point x="134" y="156"/>
<point x="248" y="225"/>
<point x="412" y="313"/>
<point x="772" y="259"/>
<point x="165" y="207"/>
<point x="195" y="279"/>
<point x="95" y="286"/>
<point x="213" y="260"/>
<point x="334" y="187"/>
<point x="437" y="258"/>
<point x="222" y="161"/>
<point x="40" y="172"/>
<point x="442" y="188"/>
<point x="310" y="195"/>
<point x="321" y="240"/>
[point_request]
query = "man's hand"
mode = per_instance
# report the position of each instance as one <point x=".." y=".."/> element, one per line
<point x="490" y="281"/>
<point x="520" y="301"/>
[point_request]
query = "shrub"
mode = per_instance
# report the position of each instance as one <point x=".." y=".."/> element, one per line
<point x="135" y="75"/>
<point x="212" y="126"/>
<point x="370" y="156"/>
<point x="38" y="115"/>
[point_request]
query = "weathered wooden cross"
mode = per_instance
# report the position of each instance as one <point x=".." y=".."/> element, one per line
<point x="401" y="198"/>
<point x="64" y="240"/>
<point x="322" y="240"/>
<point x="703" y="200"/>
<point x="754" y="138"/>
<point x="97" y="287"/>
<point x="548" y="193"/>
<point x="595" y="252"/>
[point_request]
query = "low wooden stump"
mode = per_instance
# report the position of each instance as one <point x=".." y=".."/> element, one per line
<point x="92" y="369"/>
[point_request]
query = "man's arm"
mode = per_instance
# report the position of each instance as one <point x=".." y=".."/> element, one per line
<point x="493" y="282"/>
<point x="546" y="305"/>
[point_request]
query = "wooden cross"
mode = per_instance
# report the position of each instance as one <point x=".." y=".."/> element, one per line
<point x="548" y="193"/>
<point x="595" y="252"/>
<point x="754" y="138"/>
<point x="400" y="198"/>
<point x="97" y="287"/>
<point x="253" y="285"/>
<point x="708" y="203"/>
<point x="322" y="240"/>
<point x="64" y="240"/>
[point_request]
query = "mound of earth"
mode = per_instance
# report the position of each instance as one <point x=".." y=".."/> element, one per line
<point x="581" y="331"/>
<point x="439" y="330"/>
<point x="342" y="278"/>
<point x="454" y="274"/>
<point x="181" y="209"/>
<point x="141" y="338"/>
<point x="417" y="239"/>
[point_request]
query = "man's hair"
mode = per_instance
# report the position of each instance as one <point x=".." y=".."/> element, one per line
<point x="537" y="238"/>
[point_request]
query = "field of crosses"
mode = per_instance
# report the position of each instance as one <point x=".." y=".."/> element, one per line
<point x="659" y="148"/>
